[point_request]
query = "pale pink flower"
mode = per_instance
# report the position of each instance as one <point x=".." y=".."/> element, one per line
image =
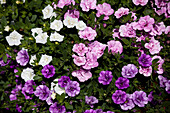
<point x="78" y="60"/>
<point x="158" y="29"/>
<point x="62" y="3"/>
<point x="153" y="46"/>
<point x="82" y="75"/>
<point x="72" y="13"/>
<point x="167" y="30"/>
<point x="86" y="5"/>
<point x="116" y="33"/>
<point x="145" y="71"/>
<point x="139" y="39"/>
<point x="140" y="2"/>
<point x="134" y="16"/>
<point x="88" y="33"/>
<point x="161" y="61"/>
<point x="80" y="49"/>
<point x="127" y="30"/>
<point x="121" y="11"/>
<point x="115" y="47"/>
<point x="105" y="9"/>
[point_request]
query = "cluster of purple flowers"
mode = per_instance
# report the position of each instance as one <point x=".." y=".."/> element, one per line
<point x="14" y="92"/>
<point x="164" y="82"/>
<point x="28" y="89"/>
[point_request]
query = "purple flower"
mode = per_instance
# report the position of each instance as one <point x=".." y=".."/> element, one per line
<point x="48" y="71"/>
<point x="119" y="97"/>
<point x="140" y="98"/>
<point x="150" y="96"/>
<point x="13" y="97"/>
<point x="122" y="83"/>
<point x="89" y="111"/>
<point x="105" y="77"/>
<point x="18" y="108"/>
<point x="129" y="71"/>
<point x="162" y="80"/>
<point x="22" y="57"/>
<point x="91" y="100"/>
<point x="42" y="91"/>
<point x="128" y="105"/>
<point x="98" y="111"/>
<point x="14" y="92"/>
<point x="109" y="112"/>
<point x="28" y="89"/>
<point x="167" y="88"/>
<point x="72" y="88"/>
<point x="2" y="63"/>
<point x="145" y="60"/>
<point x="63" y="81"/>
<point x="56" y="108"/>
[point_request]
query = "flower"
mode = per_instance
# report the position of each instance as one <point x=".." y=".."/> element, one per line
<point x="2" y="1"/>
<point x="56" y="25"/>
<point x="91" y="100"/>
<point x="167" y="86"/>
<point x="105" y="77"/>
<point x="22" y="57"/>
<point x="158" y="29"/>
<point x="119" y="97"/>
<point x="33" y="57"/>
<point x="57" y="88"/>
<point x="27" y="74"/>
<point x="80" y="49"/>
<point x="7" y="28"/>
<point x="70" y="22"/>
<point x="98" y="111"/>
<point x="48" y="71"/>
<point x="42" y="91"/>
<point x="56" y="108"/>
<point x="105" y="9"/>
<point x="127" y="30"/>
<point x="145" y="60"/>
<point x="162" y="80"/>
<point x="145" y="71"/>
<point x="150" y="96"/>
<point x="72" y="13"/>
<point x="41" y="38"/>
<point x="63" y="81"/>
<point x="140" y="98"/>
<point x="2" y="63"/>
<point x="88" y="33"/>
<point x="140" y="2"/>
<point x="115" y="47"/>
<point x="82" y="75"/>
<point x="56" y="37"/>
<point x="81" y="25"/>
<point x="49" y="100"/>
<point x="14" y="38"/>
<point x="122" y="83"/>
<point x="121" y="11"/>
<point x="129" y="71"/>
<point x="45" y="59"/>
<point x="79" y="60"/>
<point x="89" y="111"/>
<point x="72" y="88"/>
<point x="161" y="61"/>
<point x="128" y="105"/>
<point x="36" y="31"/>
<point x="62" y="3"/>
<point x="47" y="12"/>
<point x="86" y="5"/>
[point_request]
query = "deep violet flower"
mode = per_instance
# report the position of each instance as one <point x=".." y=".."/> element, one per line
<point x="105" y="77"/>
<point x="2" y="63"/>
<point x="89" y="111"/>
<point x="22" y="57"/>
<point x="128" y="105"/>
<point x="122" y="83"/>
<point x="48" y="71"/>
<point x="145" y="60"/>
<point x="98" y="111"/>
<point x="28" y="89"/>
<point x="129" y="71"/>
<point x="140" y="98"/>
<point x="72" y="88"/>
<point x="119" y="97"/>
<point x="62" y="82"/>
<point x="18" y="108"/>
<point x="56" y="108"/>
<point x="91" y="100"/>
<point x="42" y="91"/>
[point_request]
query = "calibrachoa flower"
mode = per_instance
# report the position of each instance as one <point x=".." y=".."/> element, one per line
<point x="86" y="5"/>
<point x="78" y="60"/>
<point x="122" y="83"/>
<point x="36" y="31"/>
<point x="72" y="13"/>
<point x="56" y="108"/>
<point x="150" y="96"/>
<point x="128" y="105"/>
<point x="49" y="100"/>
<point x="88" y="33"/>
<point x="22" y="57"/>
<point x="146" y="71"/>
<point x="63" y="81"/>
<point x="42" y="91"/>
<point x="41" y="38"/>
<point x="127" y="30"/>
<point x="167" y="86"/>
<point x="48" y="71"/>
<point x="140" y="2"/>
<point x="27" y="74"/>
<point x="145" y="60"/>
<point x="105" y="77"/>
<point x="56" y="25"/>
<point x="98" y="111"/>
<point x="140" y="98"/>
<point x="89" y="111"/>
<point x="82" y="75"/>
<point x="129" y="71"/>
<point x="121" y="11"/>
<point x="81" y="25"/>
<point x="158" y="29"/>
<point x="119" y="97"/>
<point x="91" y="100"/>
<point x="161" y="61"/>
<point x="2" y="63"/>
<point x="109" y="112"/>
<point x="80" y="49"/>
<point x="115" y="47"/>
<point x="162" y="80"/>
<point x="105" y="9"/>
<point x="33" y="57"/>
<point x="70" y="22"/>
<point x="57" y="88"/>
<point x="62" y="3"/>
<point x="72" y="88"/>
<point x="56" y="37"/>
<point x="45" y="59"/>
<point x="14" y="92"/>
<point x="47" y="12"/>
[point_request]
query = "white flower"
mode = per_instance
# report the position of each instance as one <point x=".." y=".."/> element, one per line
<point x="81" y="25"/>
<point x="56" y="37"/>
<point x="14" y="38"/>
<point x="3" y="1"/>
<point x="70" y="22"/>
<point x="45" y="59"/>
<point x="53" y="95"/>
<point x="7" y="28"/>
<point x="37" y="31"/>
<point x="47" y="12"/>
<point x="56" y="88"/>
<point x="41" y="38"/>
<point x="56" y="25"/>
<point x="33" y="57"/>
<point x="53" y="15"/>
<point x="27" y="74"/>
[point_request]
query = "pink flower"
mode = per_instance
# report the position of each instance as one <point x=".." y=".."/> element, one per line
<point x="88" y="33"/>
<point x="134" y="16"/>
<point x="116" y="33"/>
<point x="79" y="61"/>
<point x="145" y="71"/>
<point x="140" y="2"/>
<point x="82" y="75"/>
<point x="139" y="39"/>
<point x="91" y="61"/>
<point x="121" y="11"/>
<point x="97" y="48"/>
<point x="115" y="47"/>
<point x="62" y="3"/>
<point x="158" y="29"/>
<point x="161" y="61"/>
<point x="127" y="30"/>
<point x="86" y="5"/>
<point x="72" y="13"/>
<point x="167" y="30"/>
<point x="153" y="46"/>
<point x="80" y="49"/>
<point x="105" y="9"/>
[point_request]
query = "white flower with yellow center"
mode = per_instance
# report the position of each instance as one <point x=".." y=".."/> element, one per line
<point x="45" y="59"/>
<point x="47" y="12"/>
<point x="36" y="31"/>
<point x="81" y="25"/>
<point x="27" y="74"/>
<point x="56" y="37"/>
<point x="41" y="38"/>
<point x="56" y="25"/>
<point x="70" y="22"/>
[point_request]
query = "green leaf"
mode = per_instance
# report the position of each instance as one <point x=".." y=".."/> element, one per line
<point x="37" y="77"/>
<point x="5" y="58"/>
<point x="33" y="18"/>
<point x="126" y="41"/>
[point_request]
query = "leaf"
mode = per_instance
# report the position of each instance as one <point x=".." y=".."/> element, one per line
<point x="126" y="41"/>
<point x="101" y="18"/>
<point x="37" y="77"/>
<point x="33" y="18"/>
<point x="5" y="58"/>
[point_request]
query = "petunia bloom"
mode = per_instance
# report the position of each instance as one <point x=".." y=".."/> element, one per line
<point x="128" y="105"/>
<point x="145" y="60"/>
<point x="56" y="108"/>
<point x="129" y="71"/>
<point x="122" y="83"/>
<point x="140" y="98"/>
<point x="48" y="71"/>
<point x="22" y="57"/>
<point x="119" y="97"/>
<point x="42" y="91"/>
<point x="115" y="47"/>
<point x="72" y="88"/>
<point x="82" y="75"/>
<point x="105" y="77"/>
<point x="62" y="82"/>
